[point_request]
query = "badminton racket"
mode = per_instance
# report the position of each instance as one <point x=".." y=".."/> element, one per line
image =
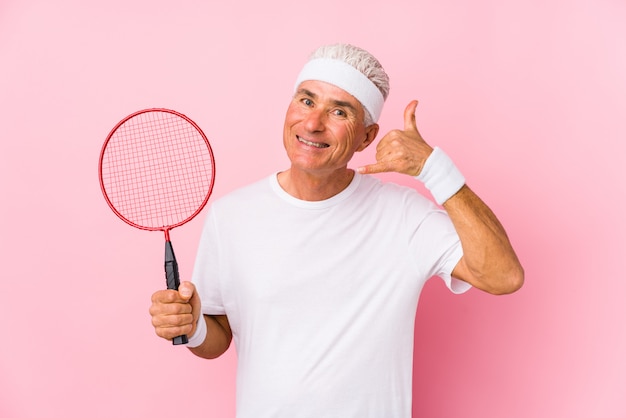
<point x="156" y="172"/>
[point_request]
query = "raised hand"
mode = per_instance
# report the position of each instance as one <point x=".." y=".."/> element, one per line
<point x="401" y="151"/>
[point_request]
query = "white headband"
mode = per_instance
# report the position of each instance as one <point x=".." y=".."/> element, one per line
<point x="346" y="77"/>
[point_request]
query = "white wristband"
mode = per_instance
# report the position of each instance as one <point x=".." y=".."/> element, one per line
<point x="441" y="176"/>
<point x="198" y="337"/>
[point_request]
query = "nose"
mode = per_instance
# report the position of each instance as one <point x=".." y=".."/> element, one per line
<point x="314" y="120"/>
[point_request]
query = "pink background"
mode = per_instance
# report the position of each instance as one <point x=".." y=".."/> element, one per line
<point x="529" y="98"/>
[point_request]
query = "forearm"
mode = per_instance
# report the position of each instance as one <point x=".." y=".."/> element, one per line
<point x="218" y="337"/>
<point x="489" y="261"/>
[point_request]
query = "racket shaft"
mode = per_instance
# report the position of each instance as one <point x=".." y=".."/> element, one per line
<point x="173" y="280"/>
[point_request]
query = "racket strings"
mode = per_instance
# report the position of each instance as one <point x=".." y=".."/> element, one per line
<point x="157" y="169"/>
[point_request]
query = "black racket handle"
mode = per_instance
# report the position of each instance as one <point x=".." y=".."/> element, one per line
<point x="173" y="281"/>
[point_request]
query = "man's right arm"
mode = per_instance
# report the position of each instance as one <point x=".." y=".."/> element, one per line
<point x="218" y="337"/>
<point x="176" y="313"/>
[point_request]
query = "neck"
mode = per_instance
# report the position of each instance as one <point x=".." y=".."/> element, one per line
<point x="311" y="187"/>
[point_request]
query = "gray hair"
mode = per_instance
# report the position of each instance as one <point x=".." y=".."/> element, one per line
<point x="360" y="59"/>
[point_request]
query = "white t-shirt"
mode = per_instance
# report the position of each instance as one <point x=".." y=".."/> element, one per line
<point x="321" y="296"/>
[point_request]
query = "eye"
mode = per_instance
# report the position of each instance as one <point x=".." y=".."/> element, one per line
<point x="307" y="102"/>
<point x="340" y="113"/>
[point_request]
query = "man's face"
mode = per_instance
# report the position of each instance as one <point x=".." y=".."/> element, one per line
<point x="324" y="127"/>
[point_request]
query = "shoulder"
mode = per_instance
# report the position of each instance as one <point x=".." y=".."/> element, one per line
<point x="244" y="194"/>
<point x="393" y="195"/>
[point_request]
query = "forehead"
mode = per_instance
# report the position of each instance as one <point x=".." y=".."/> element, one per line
<point x="326" y="92"/>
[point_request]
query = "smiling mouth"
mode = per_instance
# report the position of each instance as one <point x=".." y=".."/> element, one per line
<point x="312" y="144"/>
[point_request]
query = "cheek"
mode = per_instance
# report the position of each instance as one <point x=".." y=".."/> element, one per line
<point x="356" y="137"/>
<point x="293" y="113"/>
<point x="291" y="116"/>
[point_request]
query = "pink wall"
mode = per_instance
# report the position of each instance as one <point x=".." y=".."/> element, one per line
<point x="528" y="97"/>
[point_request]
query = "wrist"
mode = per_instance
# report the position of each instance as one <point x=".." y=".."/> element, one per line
<point x="440" y="176"/>
<point x="199" y="336"/>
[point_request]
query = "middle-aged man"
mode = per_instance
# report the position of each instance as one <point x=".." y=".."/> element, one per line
<point x="317" y="269"/>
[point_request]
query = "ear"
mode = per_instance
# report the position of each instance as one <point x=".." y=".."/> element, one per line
<point x="370" y="134"/>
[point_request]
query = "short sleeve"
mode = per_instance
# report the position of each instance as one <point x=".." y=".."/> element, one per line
<point x="206" y="274"/>
<point x="438" y="249"/>
<point x="456" y="286"/>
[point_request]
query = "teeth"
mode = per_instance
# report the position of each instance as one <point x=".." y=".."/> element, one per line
<point x="313" y="144"/>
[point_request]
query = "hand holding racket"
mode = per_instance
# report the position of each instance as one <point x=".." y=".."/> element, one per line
<point x="156" y="173"/>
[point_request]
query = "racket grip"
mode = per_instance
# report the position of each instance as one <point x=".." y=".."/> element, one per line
<point x="173" y="281"/>
<point x="171" y="267"/>
<point x="181" y="339"/>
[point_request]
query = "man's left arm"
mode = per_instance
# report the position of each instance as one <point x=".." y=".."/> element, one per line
<point x="489" y="262"/>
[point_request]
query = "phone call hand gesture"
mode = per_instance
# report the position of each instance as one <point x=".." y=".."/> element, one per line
<point x="401" y="151"/>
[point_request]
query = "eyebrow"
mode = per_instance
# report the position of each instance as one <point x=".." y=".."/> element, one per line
<point x="340" y="103"/>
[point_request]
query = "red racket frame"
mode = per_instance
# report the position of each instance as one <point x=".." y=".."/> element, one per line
<point x="165" y="228"/>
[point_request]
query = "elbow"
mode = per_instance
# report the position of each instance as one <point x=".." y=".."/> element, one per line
<point x="510" y="282"/>
<point x="212" y="352"/>
<point x="500" y="279"/>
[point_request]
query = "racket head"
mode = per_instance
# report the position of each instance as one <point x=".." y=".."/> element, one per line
<point x="156" y="169"/>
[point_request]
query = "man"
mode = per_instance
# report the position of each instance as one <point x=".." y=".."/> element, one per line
<point x="316" y="271"/>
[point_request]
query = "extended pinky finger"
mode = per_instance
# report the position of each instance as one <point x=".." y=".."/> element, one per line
<point x="381" y="167"/>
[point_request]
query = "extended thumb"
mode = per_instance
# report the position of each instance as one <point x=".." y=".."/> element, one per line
<point x="409" y="116"/>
